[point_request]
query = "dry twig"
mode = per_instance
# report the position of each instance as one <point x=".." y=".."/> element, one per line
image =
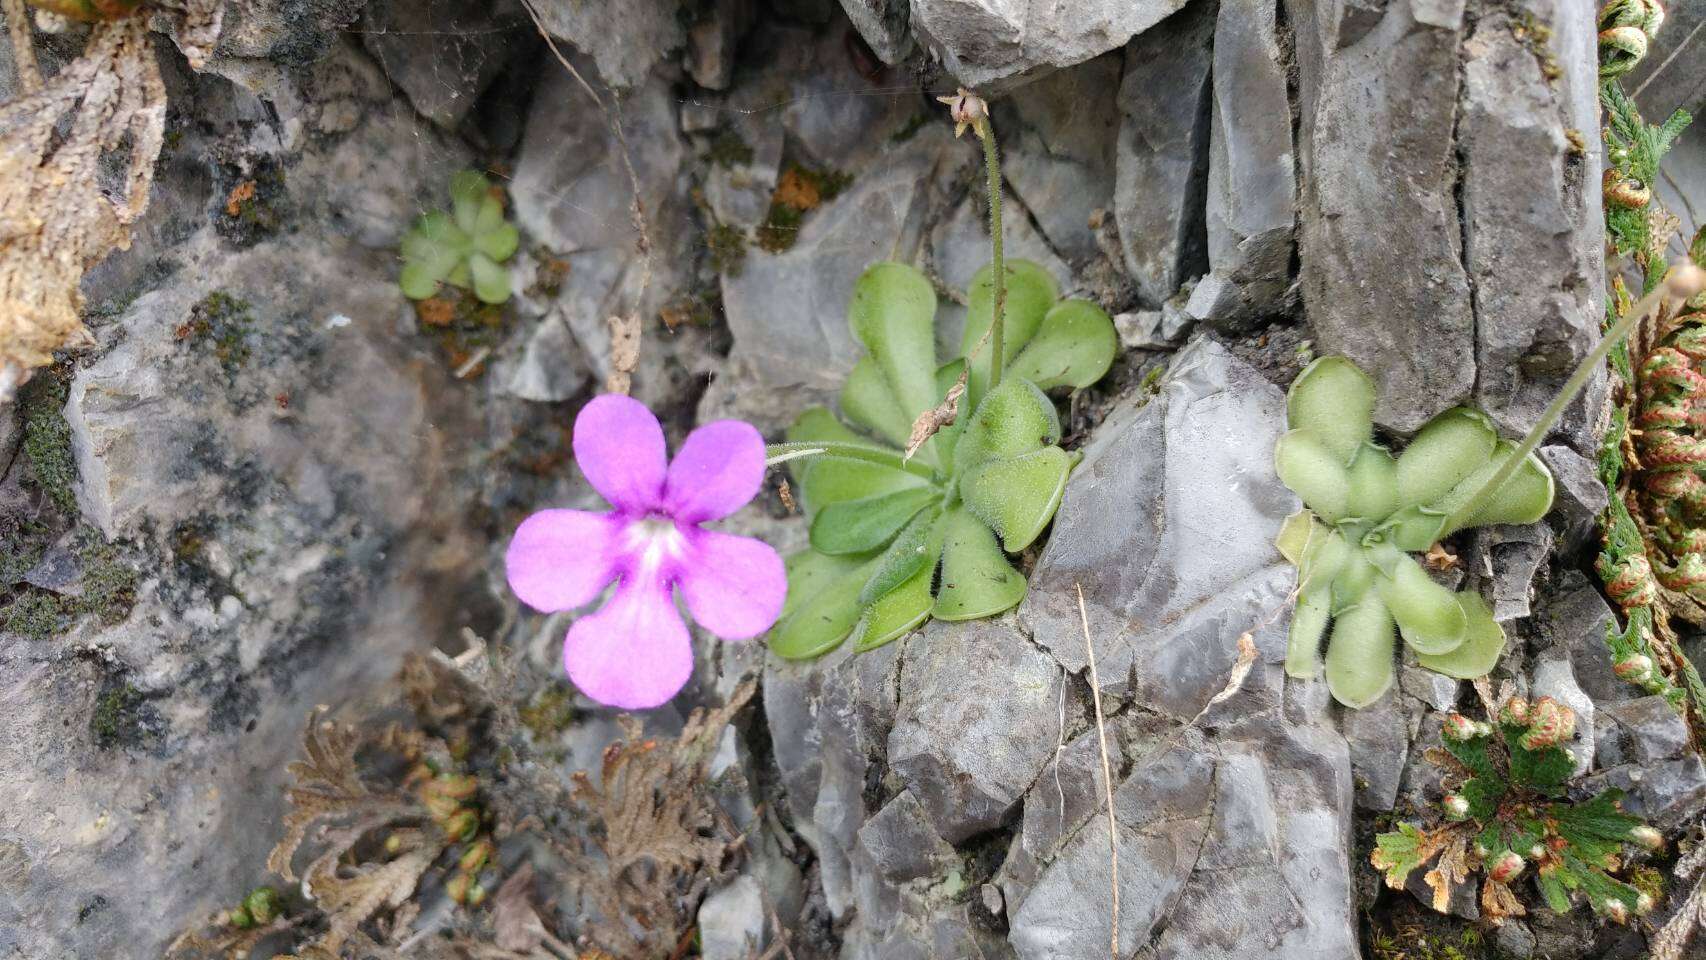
<point x="1107" y="778"/>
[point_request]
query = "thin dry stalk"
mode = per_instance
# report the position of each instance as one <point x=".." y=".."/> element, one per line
<point x="625" y="330"/>
<point x="1107" y="778"/>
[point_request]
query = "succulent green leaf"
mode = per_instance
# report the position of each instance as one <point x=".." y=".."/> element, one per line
<point x="435" y="256"/>
<point x="1074" y="347"/>
<point x="1334" y="400"/>
<point x="489" y="216"/>
<point x="868" y="401"/>
<point x="1483" y="643"/>
<point x="1014" y="418"/>
<point x="977" y="581"/>
<point x="1414" y="528"/>
<point x="1324" y="558"/>
<point x="1315" y="472"/>
<point x="916" y="548"/>
<point x="1353" y="582"/>
<point x="822" y="605"/>
<point x="893" y="314"/>
<point x="459" y="275"/>
<point x="500" y="242"/>
<point x="896" y="613"/>
<point x="417" y="281"/>
<point x="858" y="526"/>
<point x="1017" y="496"/>
<point x="1359" y="654"/>
<point x="1295" y="535"/>
<point x="439" y="229"/>
<point x="1031" y="292"/>
<point x="1427" y="614"/>
<point x="1524" y="497"/>
<point x="1449" y="448"/>
<point x="1308" y="622"/>
<point x="491" y="280"/>
<point x="1373" y="483"/>
<point x="468" y="193"/>
<point x="830" y="480"/>
<point x="817" y="423"/>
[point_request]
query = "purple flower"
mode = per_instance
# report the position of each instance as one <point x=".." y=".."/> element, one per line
<point x="634" y="652"/>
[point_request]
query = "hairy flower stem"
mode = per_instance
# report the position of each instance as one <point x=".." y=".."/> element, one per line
<point x="1683" y="281"/>
<point x="992" y="167"/>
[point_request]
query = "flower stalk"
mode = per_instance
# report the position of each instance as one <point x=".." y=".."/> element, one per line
<point x="1683" y="281"/>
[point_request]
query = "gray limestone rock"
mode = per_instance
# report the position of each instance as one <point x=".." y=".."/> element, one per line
<point x="883" y="25"/>
<point x="977" y="721"/>
<point x="1643" y="730"/>
<point x="1058" y="139"/>
<point x="445" y="53"/>
<point x="1379" y="119"/>
<point x="625" y="39"/>
<point x="1532" y="225"/>
<point x="1579" y="496"/>
<point x="788" y="310"/>
<point x="1573" y="617"/>
<point x="1171" y="574"/>
<point x="1378" y="737"/>
<point x="983" y="42"/>
<point x="1161" y="158"/>
<point x="145" y="732"/>
<point x="1251" y="206"/>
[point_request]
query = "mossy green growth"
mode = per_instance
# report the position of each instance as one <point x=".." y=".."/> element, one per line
<point x="728" y="249"/>
<point x="118" y="716"/>
<point x="1366" y="511"/>
<point x="465" y="247"/>
<point x="224" y="321"/>
<point x="47" y="441"/>
<point x="896" y="540"/>
<point x="728" y="150"/>
<point x="33" y="615"/>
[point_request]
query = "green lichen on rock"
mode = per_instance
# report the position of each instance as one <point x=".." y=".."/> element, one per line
<point x="47" y="441"/>
<point x="108" y="583"/>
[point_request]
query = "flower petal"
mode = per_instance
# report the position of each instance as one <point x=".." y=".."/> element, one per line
<point x="561" y="559"/>
<point x="716" y="472"/>
<point x="619" y="447"/>
<point x="734" y="586"/>
<point x="634" y="653"/>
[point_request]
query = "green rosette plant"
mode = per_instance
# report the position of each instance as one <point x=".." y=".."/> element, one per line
<point x="1367" y="511"/>
<point x="897" y="539"/>
<point x="465" y="247"/>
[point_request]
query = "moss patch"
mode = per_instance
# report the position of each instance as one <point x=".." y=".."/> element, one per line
<point x="47" y="440"/>
<point x="222" y="322"/>
<point x="728" y="150"/>
<point x="728" y="249"/>
<point x="550" y="713"/>
<point x="799" y="191"/>
<point x="122" y="717"/>
<point x="33" y="615"/>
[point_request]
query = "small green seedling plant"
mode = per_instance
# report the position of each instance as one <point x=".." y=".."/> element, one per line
<point x="899" y="538"/>
<point x="465" y="247"/>
<point x="1366" y="511"/>
<point x="1505" y="812"/>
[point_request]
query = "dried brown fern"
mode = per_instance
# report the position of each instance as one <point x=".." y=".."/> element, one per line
<point x="658" y="839"/>
<point x="57" y="218"/>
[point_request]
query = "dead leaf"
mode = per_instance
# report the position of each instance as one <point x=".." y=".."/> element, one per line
<point x="1441" y="559"/>
<point x="944" y="414"/>
<point x="624" y="352"/>
<point x="240" y="194"/>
